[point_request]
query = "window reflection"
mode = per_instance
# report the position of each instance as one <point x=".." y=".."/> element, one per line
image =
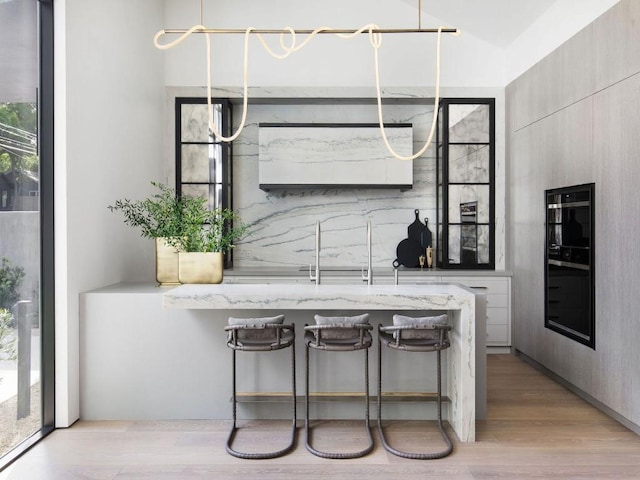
<point x="20" y="366"/>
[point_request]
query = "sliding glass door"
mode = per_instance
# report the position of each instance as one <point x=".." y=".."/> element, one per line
<point x="26" y="224"/>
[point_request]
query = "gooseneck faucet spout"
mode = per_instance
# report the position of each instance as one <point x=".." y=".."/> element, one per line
<point x="316" y="277"/>
<point x="368" y="277"/>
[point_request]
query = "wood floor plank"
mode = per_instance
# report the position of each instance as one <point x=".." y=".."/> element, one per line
<point x="536" y="429"/>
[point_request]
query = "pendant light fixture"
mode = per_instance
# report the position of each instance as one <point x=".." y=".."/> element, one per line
<point x="293" y="45"/>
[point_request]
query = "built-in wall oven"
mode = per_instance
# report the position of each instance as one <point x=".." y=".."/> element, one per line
<point x="569" y="262"/>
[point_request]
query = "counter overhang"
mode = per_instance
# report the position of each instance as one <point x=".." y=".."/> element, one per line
<point x="323" y="297"/>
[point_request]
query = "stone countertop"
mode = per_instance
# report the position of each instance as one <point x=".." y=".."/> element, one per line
<point x="319" y="297"/>
<point x="342" y="271"/>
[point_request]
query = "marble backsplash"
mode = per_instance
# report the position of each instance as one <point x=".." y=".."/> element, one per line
<point x="283" y="221"/>
<point x="283" y="232"/>
<point x="333" y="154"/>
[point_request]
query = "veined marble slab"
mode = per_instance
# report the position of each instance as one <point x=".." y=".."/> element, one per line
<point x="283" y="221"/>
<point x="304" y="297"/>
<point x="333" y="154"/>
<point x="458" y="301"/>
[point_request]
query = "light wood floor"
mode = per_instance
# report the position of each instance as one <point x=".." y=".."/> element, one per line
<point x="536" y="430"/>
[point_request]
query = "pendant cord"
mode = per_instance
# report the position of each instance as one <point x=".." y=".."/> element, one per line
<point x="436" y="103"/>
<point x="375" y="39"/>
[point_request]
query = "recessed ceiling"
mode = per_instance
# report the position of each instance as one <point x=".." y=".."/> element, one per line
<point x="498" y="22"/>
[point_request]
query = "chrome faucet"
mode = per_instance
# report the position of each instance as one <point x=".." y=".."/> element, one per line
<point x="316" y="277"/>
<point x="368" y="277"/>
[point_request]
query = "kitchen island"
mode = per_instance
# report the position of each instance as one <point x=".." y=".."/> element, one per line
<point x="158" y="353"/>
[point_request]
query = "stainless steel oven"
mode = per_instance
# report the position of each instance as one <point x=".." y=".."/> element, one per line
<point x="569" y="268"/>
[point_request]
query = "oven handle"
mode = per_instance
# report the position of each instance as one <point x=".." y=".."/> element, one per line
<point x="560" y="263"/>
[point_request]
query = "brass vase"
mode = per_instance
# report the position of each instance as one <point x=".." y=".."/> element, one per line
<point x="200" y="267"/>
<point x="166" y="263"/>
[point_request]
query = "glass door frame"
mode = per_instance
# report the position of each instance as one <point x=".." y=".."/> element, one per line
<point x="442" y="184"/>
<point x="47" y="250"/>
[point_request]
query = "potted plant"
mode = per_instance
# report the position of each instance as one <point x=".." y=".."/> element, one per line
<point x="159" y="217"/>
<point x="206" y="238"/>
<point x="183" y="224"/>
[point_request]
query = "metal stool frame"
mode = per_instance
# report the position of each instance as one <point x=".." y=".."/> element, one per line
<point x="363" y="341"/>
<point x="284" y="337"/>
<point x="391" y="337"/>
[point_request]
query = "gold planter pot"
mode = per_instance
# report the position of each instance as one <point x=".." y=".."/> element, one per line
<point x="166" y="263"/>
<point x="200" y="267"/>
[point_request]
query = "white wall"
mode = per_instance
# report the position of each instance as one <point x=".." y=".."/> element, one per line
<point x="560" y="22"/>
<point x="574" y="119"/>
<point x="406" y="60"/>
<point x="109" y="144"/>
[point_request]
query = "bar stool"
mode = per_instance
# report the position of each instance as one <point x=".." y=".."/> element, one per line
<point x="339" y="334"/>
<point x="261" y="335"/>
<point x="422" y="334"/>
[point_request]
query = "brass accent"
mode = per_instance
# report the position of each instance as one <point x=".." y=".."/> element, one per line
<point x="200" y="267"/>
<point x="166" y="263"/>
<point x="307" y="32"/>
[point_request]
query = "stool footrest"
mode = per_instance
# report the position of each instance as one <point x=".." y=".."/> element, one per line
<point x="274" y="397"/>
<point x="438" y="398"/>
<point x="260" y="455"/>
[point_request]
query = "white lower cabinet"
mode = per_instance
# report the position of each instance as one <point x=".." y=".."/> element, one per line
<point x="498" y="292"/>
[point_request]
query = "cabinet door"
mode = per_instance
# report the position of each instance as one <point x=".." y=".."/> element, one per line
<point x="498" y="293"/>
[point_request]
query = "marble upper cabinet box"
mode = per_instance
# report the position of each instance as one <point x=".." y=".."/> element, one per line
<point x="329" y="155"/>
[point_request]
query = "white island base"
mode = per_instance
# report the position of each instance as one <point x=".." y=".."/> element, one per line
<point x="459" y="302"/>
<point x="150" y="353"/>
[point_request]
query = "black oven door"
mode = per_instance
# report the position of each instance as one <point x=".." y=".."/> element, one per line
<point x="569" y="279"/>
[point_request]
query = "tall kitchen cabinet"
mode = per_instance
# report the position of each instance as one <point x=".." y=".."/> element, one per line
<point x="465" y="171"/>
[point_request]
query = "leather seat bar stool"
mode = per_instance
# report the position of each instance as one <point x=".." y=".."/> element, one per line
<point x="423" y="334"/>
<point x="339" y="334"/>
<point x="261" y="335"/>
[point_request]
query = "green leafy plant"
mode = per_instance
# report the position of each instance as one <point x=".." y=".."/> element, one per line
<point x="10" y="279"/>
<point x="7" y="337"/>
<point x="207" y="230"/>
<point x="186" y="222"/>
<point x="160" y="215"/>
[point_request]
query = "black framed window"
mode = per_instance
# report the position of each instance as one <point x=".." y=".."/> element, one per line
<point x="203" y="161"/>
<point x="465" y="171"/>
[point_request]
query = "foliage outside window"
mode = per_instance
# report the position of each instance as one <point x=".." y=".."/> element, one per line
<point x="18" y="156"/>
